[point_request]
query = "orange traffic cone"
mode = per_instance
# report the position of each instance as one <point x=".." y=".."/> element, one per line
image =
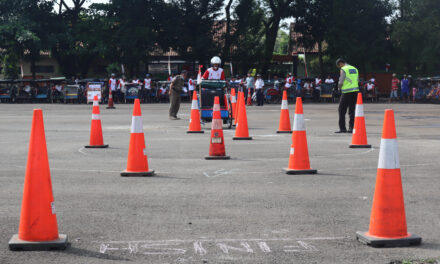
<point x="96" y="140"/>
<point x="241" y="130"/>
<point x="249" y="97"/>
<point x="110" y="99"/>
<point x="237" y="108"/>
<point x="137" y="164"/>
<point x="217" y="143"/>
<point x="194" y="121"/>
<point x="359" y="138"/>
<point x="299" y="154"/>
<point x="284" y="125"/>
<point x="233" y="102"/>
<point x="38" y="228"/>
<point x="388" y="221"/>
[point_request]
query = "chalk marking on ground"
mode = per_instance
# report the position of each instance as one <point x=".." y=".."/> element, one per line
<point x="219" y="173"/>
<point x="198" y="248"/>
<point x="214" y="240"/>
<point x="81" y="150"/>
<point x="264" y="247"/>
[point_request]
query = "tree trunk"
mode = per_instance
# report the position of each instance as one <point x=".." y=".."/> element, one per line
<point x="226" y="48"/>
<point x="33" y="67"/>
<point x="271" y="36"/>
<point x="321" y="63"/>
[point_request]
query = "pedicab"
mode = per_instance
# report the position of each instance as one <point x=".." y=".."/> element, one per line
<point x="56" y="95"/>
<point x="7" y="91"/>
<point x="42" y="90"/>
<point x="162" y="91"/>
<point x="326" y="92"/>
<point x="132" y="91"/>
<point x="24" y="90"/>
<point x="72" y="93"/>
<point x="272" y="92"/>
<point x="208" y="90"/>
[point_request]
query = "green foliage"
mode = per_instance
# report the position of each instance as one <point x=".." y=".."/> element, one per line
<point x="10" y="62"/>
<point x="416" y="34"/>
<point x="358" y="31"/>
<point x="282" y="43"/>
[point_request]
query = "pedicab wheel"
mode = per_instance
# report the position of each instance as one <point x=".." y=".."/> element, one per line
<point x="230" y="115"/>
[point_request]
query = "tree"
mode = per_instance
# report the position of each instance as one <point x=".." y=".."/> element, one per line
<point x="281" y="43"/>
<point x="25" y="28"/>
<point x="312" y="24"/>
<point x="194" y="23"/>
<point x="358" y="31"/>
<point x="276" y="11"/>
<point x="416" y="35"/>
<point x="244" y="32"/>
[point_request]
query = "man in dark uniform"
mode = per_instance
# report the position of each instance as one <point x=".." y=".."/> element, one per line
<point x="349" y="86"/>
<point x="176" y="88"/>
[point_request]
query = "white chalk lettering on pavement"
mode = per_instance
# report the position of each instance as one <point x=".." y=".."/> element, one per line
<point x="205" y="246"/>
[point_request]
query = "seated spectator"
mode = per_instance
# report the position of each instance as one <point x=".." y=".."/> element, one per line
<point x="369" y="87"/>
<point x="329" y="80"/>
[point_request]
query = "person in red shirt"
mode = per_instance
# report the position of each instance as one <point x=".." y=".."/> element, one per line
<point x="394" y="87"/>
<point x="215" y="72"/>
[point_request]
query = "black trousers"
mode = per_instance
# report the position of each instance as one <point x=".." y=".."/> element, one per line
<point x="260" y="97"/>
<point x="348" y="100"/>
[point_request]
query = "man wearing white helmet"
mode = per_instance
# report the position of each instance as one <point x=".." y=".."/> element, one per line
<point x="215" y="72"/>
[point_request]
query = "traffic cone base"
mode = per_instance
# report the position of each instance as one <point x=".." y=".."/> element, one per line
<point x="110" y="107"/>
<point x="242" y="138"/>
<point x="298" y="172"/>
<point x="284" y="132"/>
<point x="374" y="241"/>
<point x="360" y="146"/>
<point x="217" y="157"/>
<point x="195" y="132"/>
<point x="17" y="244"/>
<point x="102" y="146"/>
<point x="137" y="174"/>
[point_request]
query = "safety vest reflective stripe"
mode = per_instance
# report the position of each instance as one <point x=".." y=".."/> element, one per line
<point x="194" y="105"/>
<point x="388" y="154"/>
<point x="359" y="110"/>
<point x="136" y="124"/>
<point x="350" y="90"/>
<point x="96" y="117"/>
<point x="298" y="123"/>
<point x="284" y="105"/>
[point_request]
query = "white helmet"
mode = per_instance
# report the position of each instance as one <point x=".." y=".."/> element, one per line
<point x="216" y="60"/>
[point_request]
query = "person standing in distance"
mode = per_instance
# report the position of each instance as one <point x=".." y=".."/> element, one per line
<point x="349" y="86"/>
<point x="176" y="88"/>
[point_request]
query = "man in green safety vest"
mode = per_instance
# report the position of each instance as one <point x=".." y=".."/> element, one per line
<point x="349" y="87"/>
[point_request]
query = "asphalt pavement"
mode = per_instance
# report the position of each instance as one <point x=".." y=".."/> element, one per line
<point x="243" y="210"/>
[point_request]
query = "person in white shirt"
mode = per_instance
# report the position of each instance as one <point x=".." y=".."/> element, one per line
<point x="370" y="87"/>
<point x="259" y="84"/>
<point x="318" y="83"/>
<point x="120" y="89"/>
<point x="329" y="80"/>
<point x="289" y="81"/>
<point x="191" y="86"/>
<point x="147" y="93"/>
